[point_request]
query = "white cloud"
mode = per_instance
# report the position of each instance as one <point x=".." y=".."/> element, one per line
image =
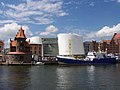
<point x="112" y="1"/>
<point x="6" y="21"/>
<point x="32" y="9"/>
<point x="42" y="20"/>
<point x="9" y="31"/>
<point x="2" y="3"/>
<point x="1" y="12"/>
<point x="62" y="14"/>
<point x="20" y="7"/>
<point x="118" y="1"/>
<point x="92" y="4"/>
<point x="106" y="31"/>
<point x="49" y="30"/>
<point x="23" y="14"/>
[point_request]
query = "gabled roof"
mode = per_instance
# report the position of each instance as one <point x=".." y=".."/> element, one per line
<point x="107" y="41"/>
<point x="20" y="34"/>
<point x="117" y="36"/>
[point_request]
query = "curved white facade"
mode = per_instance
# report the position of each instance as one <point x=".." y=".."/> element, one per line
<point x="70" y="44"/>
<point x="35" y="40"/>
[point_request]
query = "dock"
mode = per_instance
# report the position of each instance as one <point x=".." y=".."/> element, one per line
<point x="30" y="64"/>
<point x="50" y="62"/>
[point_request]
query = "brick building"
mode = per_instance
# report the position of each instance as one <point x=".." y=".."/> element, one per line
<point x="113" y="45"/>
<point x="36" y="45"/>
<point x="116" y="39"/>
<point x="1" y="46"/>
<point x="110" y="46"/>
<point x="94" y="46"/>
<point x="36" y="49"/>
<point x="19" y="49"/>
<point x="90" y="46"/>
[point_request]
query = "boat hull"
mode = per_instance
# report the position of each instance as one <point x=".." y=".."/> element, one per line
<point x="62" y="60"/>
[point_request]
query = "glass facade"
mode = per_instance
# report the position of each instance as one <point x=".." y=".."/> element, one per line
<point x="50" y="47"/>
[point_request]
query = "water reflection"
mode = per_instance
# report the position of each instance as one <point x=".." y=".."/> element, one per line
<point x="91" y="77"/>
<point x="15" y="78"/>
<point x="91" y="73"/>
<point x="43" y="78"/>
<point x="3" y="78"/>
<point x="60" y="77"/>
<point x="64" y="82"/>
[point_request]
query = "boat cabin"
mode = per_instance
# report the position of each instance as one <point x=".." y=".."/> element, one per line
<point x="92" y="55"/>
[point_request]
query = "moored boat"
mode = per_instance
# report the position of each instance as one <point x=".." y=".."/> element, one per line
<point x="91" y="58"/>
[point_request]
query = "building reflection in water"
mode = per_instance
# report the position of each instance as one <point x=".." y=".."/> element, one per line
<point x="15" y="78"/>
<point x="64" y="79"/>
<point x="91" y="73"/>
<point x="91" y="77"/>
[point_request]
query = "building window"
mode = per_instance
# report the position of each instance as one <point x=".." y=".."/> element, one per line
<point x="35" y="48"/>
<point x="21" y="57"/>
<point x="21" y="41"/>
<point x="39" y="52"/>
<point x="39" y="48"/>
<point x="21" y="48"/>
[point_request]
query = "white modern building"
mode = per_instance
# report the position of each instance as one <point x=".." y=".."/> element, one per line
<point x="70" y="44"/>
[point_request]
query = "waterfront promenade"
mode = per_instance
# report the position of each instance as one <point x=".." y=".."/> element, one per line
<point x="31" y="63"/>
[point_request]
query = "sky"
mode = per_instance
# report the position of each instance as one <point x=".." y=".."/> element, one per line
<point x="93" y="19"/>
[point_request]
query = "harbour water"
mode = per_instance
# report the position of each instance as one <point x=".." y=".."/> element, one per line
<point x="46" y="77"/>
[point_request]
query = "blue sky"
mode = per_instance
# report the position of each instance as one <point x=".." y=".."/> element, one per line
<point x="94" y="19"/>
